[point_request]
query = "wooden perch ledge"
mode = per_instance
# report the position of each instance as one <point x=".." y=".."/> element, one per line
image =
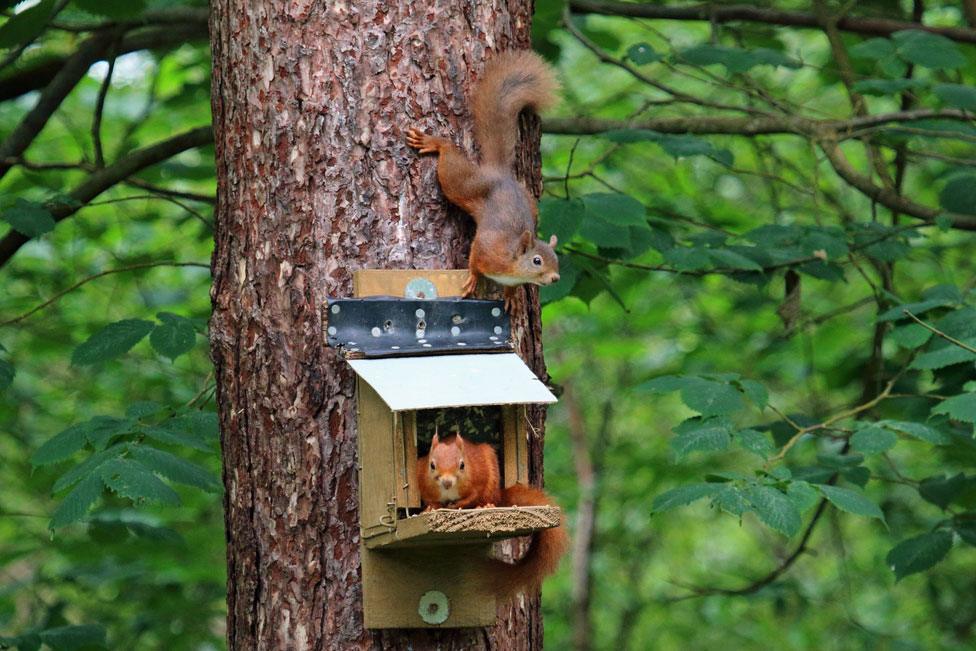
<point x="464" y="526"/>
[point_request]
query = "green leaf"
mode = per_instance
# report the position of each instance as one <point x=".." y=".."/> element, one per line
<point x="131" y="479"/>
<point x="710" y="398"/>
<point x="683" y="495"/>
<point x="173" y="337"/>
<point x="662" y="384"/>
<point x="676" y="145"/>
<point x="959" y="195"/>
<point x="957" y="95"/>
<point x="873" y="440"/>
<point x="112" y="8"/>
<point x="688" y="259"/>
<point x="603" y="233"/>
<point x="697" y="435"/>
<point x="568" y="274"/>
<point x="961" y="407"/>
<point x="886" y="86"/>
<point x="732" y="260"/>
<point x="69" y="638"/>
<point x="910" y="336"/>
<point x="77" y="502"/>
<point x="755" y="442"/>
<point x="560" y="217"/>
<point x="7" y="373"/>
<point x="965" y="526"/>
<point x="919" y="553"/>
<point x="803" y="495"/>
<point x="734" y="59"/>
<point x="774" y="508"/>
<point x="174" y="468"/>
<point x="642" y="54"/>
<point x="26" y="25"/>
<point x="946" y="355"/>
<point x="61" y="445"/>
<point x="197" y="429"/>
<point x="618" y="209"/>
<point x="87" y="467"/>
<point x="927" y="49"/>
<point x="756" y="391"/>
<point x="110" y="342"/>
<point x="917" y="430"/>
<point x="851" y="501"/>
<point x="873" y="48"/>
<point x="941" y="490"/>
<point x="28" y="218"/>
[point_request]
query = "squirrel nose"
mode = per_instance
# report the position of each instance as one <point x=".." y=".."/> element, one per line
<point x="553" y="278"/>
<point x="447" y="482"/>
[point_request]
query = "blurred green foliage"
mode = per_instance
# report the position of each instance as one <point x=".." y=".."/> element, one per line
<point x="776" y="447"/>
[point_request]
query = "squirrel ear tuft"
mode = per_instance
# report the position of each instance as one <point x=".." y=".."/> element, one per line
<point x="525" y="242"/>
<point x="553" y="240"/>
<point x="435" y="441"/>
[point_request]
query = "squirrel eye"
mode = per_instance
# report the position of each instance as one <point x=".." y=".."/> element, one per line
<point x="432" y="465"/>
<point x="461" y="466"/>
<point x="537" y="261"/>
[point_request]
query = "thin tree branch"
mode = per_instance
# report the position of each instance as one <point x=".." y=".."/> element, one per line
<point x="88" y="279"/>
<point x="103" y="179"/>
<point x="939" y="333"/>
<point x="717" y="13"/>
<point x="96" y="127"/>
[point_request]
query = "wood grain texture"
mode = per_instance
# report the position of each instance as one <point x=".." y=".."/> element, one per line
<point x="310" y="101"/>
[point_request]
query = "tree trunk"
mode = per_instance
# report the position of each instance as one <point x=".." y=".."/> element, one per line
<point x="310" y="104"/>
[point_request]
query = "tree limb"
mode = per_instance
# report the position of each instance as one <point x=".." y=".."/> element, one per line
<point x="868" y="26"/>
<point x="105" y="178"/>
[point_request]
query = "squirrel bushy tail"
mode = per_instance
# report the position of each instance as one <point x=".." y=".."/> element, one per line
<point x="542" y="559"/>
<point x="511" y="82"/>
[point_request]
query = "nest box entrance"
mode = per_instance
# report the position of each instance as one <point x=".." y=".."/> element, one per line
<point x="426" y="364"/>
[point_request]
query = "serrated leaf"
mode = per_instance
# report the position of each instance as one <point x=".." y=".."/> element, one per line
<point x="873" y="440"/>
<point x="77" y="502"/>
<point x="851" y="501"/>
<point x="965" y="526"/>
<point x="173" y="338"/>
<point x="568" y="274"/>
<point x="662" y="384"/>
<point x="961" y="407"/>
<point x="688" y="259"/>
<point x="774" y="508"/>
<point x="873" y="48"/>
<point x="755" y="442"/>
<point x="110" y="342"/>
<point x="28" y="218"/>
<point x="560" y="217"/>
<point x="803" y="495"/>
<point x="605" y="234"/>
<point x="143" y="408"/>
<point x="957" y="95"/>
<point x="710" y="398"/>
<point x="87" y="467"/>
<point x="174" y="468"/>
<point x="642" y="54"/>
<point x="946" y="355"/>
<point x="959" y="195"/>
<point x="683" y="495"/>
<point x="919" y="553"/>
<point x="735" y="60"/>
<point x="615" y="208"/>
<point x="61" y="446"/>
<point x="68" y="638"/>
<point x="731" y="500"/>
<point x="886" y="86"/>
<point x="26" y="25"/>
<point x="920" y="307"/>
<point x="131" y="479"/>
<point x="679" y="146"/>
<point x="696" y="435"/>
<point x="927" y="49"/>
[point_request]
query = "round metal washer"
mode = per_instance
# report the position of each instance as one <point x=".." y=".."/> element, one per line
<point x="434" y="607"/>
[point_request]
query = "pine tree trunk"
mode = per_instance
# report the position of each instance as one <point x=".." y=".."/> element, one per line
<point x="310" y="104"/>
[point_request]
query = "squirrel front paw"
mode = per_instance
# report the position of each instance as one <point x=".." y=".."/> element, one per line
<point x="470" y="285"/>
<point x="422" y="142"/>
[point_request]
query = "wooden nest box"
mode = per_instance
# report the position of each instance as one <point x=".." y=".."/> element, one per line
<point x="426" y="363"/>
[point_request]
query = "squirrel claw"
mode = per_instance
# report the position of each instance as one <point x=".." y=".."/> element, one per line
<point x="470" y="285"/>
<point x="421" y="141"/>
<point x="510" y="299"/>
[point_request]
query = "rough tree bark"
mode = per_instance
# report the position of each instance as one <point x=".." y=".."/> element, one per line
<point x="310" y="102"/>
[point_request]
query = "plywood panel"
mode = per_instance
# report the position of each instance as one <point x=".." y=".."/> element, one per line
<point x="393" y="282"/>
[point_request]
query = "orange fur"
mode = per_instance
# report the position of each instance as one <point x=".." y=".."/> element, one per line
<point x="505" y="248"/>
<point x="477" y="484"/>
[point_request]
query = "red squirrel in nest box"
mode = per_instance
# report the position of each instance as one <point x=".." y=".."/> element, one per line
<point x="505" y="248"/>
<point x="462" y="474"/>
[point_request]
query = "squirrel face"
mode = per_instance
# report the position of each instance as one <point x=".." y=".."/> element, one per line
<point x="536" y="261"/>
<point x="446" y="466"/>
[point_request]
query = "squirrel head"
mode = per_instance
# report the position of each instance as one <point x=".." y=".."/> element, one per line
<point x="445" y="466"/>
<point x="535" y="260"/>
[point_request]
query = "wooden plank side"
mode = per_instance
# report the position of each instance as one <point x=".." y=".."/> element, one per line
<point x="464" y="526"/>
<point x="510" y="445"/>
<point x="377" y="485"/>
<point x="393" y="282"/>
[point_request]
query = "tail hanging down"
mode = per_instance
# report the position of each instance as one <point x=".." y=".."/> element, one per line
<point x="511" y="82"/>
